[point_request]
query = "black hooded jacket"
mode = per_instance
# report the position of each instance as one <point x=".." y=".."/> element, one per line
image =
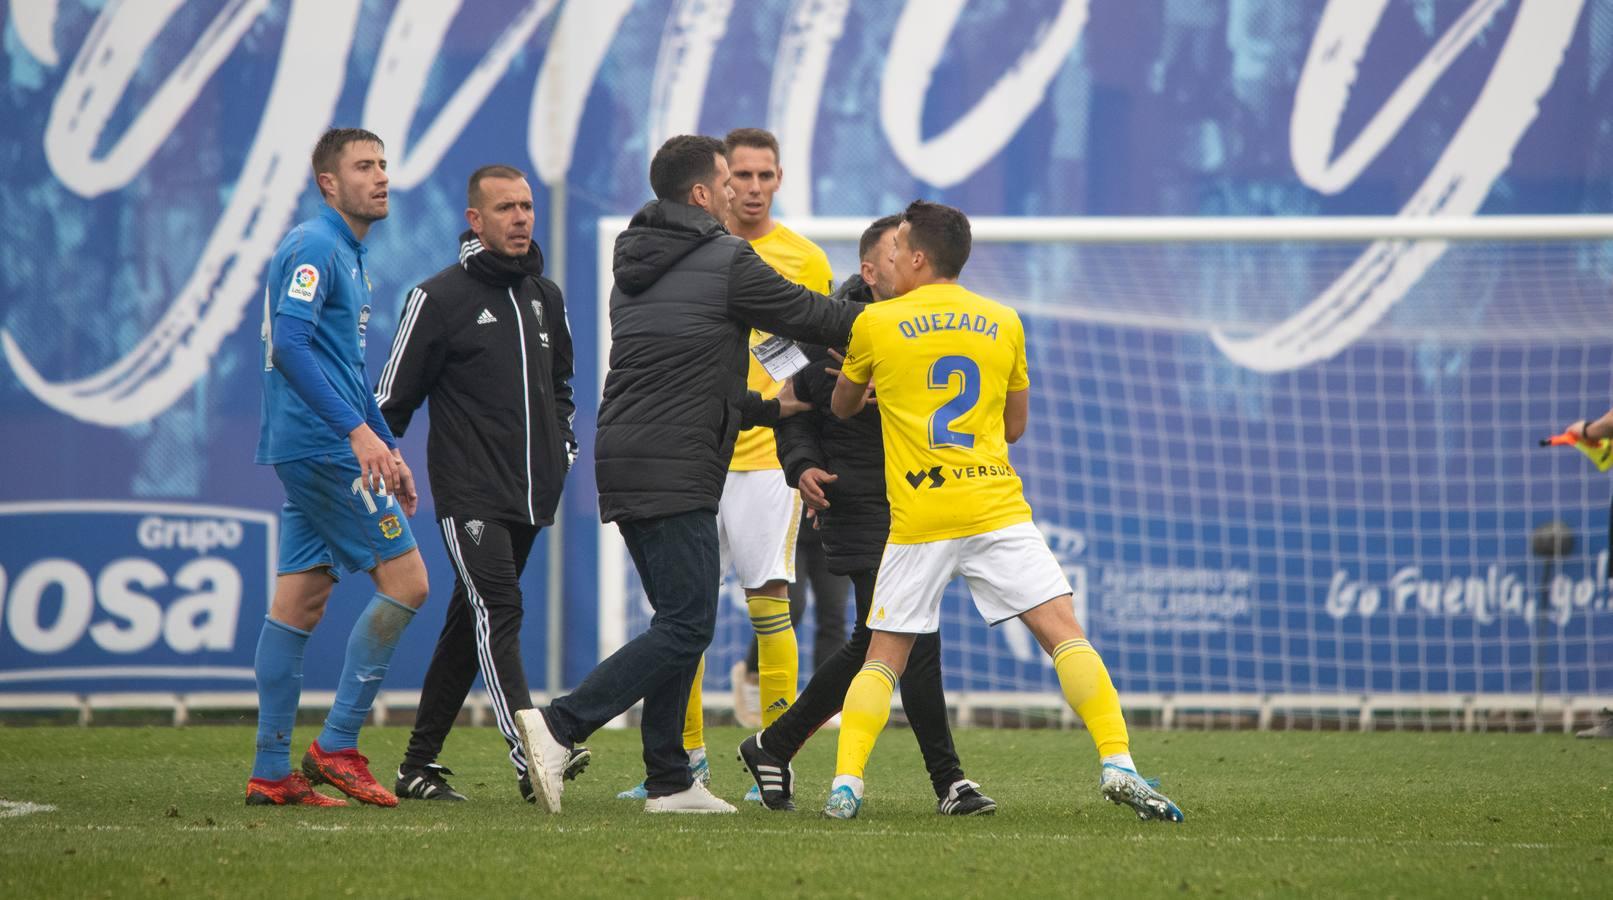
<point x="858" y="520"/>
<point x="487" y="341"/>
<point x="687" y="295"/>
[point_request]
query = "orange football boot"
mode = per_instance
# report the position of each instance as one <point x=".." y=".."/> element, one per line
<point x="347" y="771"/>
<point x="292" y="790"/>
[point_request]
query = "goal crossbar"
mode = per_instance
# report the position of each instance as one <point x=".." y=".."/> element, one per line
<point x="1210" y="229"/>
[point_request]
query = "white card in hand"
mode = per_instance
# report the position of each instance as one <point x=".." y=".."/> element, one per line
<point x="780" y="356"/>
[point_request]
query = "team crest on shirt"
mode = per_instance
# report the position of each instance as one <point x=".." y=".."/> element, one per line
<point x="304" y="282"/>
<point x="537" y="312"/>
<point x="391" y="528"/>
<point x="474" y="529"/>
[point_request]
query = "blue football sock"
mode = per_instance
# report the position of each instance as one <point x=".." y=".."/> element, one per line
<point x="279" y="669"/>
<point x="369" y="653"/>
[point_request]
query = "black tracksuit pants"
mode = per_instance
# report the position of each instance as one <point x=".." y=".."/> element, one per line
<point x="923" y="699"/>
<point x="482" y="631"/>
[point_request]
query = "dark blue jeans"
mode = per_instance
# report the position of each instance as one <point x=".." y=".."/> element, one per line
<point x="676" y="557"/>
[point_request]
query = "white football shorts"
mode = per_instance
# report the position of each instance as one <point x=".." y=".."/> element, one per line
<point x="1009" y="571"/>
<point x="758" y="522"/>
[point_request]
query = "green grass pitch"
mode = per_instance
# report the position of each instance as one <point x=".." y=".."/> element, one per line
<point x="158" y="812"/>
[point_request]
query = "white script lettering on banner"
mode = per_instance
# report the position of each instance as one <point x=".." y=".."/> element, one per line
<point x="308" y="80"/>
<point x="1478" y="154"/>
<point x="310" y="77"/>
<point x="982" y="132"/>
<point x="411" y="46"/>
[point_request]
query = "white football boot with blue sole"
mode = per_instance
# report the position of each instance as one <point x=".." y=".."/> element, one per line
<point x="843" y="803"/>
<point x="1125" y="787"/>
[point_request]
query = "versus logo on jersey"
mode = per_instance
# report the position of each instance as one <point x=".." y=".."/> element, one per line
<point x="304" y="283"/>
<point x="170" y="591"/>
<point x="935" y="477"/>
<point x="933" y="473"/>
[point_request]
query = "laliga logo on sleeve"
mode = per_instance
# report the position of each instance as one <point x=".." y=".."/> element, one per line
<point x="304" y="281"/>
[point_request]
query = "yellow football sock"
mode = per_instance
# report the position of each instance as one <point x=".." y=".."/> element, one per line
<point x="778" y="661"/>
<point x="694" y="718"/>
<point x="867" y="708"/>
<point x="1092" y="695"/>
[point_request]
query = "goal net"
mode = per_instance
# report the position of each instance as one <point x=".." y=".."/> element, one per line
<point x="1292" y="468"/>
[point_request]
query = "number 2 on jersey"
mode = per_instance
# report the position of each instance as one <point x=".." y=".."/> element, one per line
<point x="941" y="375"/>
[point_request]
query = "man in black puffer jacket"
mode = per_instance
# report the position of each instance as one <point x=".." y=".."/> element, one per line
<point x="687" y="295"/>
<point x="486" y="340"/>
<point x="839" y="467"/>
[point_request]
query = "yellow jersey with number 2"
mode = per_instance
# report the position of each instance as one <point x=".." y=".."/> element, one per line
<point x="942" y="360"/>
<point x="803" y="262"/>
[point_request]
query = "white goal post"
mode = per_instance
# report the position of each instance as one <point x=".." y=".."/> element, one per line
<point x="1325" y="543"/>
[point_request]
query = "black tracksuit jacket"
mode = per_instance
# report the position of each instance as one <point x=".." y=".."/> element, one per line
<point x="687" y="294"/>
<point x="858" y="520"/>
<point x="487" y="341"/>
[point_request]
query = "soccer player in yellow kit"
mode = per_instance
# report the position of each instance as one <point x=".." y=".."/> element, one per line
<point x="953" y="393"/>
<point x="760" y="514"/>
<point x="759" y="517"/>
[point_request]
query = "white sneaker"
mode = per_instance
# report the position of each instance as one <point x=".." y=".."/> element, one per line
<point x="747" y="697"/>
<point x="694" y="800"/>
<point x="546" y="756"/>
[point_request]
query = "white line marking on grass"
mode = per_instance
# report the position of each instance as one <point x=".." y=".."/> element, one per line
<point x="1190" y="838"/>
<point x="862" y="832"/>
<point x="10" y="809"/>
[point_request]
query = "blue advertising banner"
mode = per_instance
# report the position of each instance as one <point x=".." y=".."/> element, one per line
<point x="136" y="595"/>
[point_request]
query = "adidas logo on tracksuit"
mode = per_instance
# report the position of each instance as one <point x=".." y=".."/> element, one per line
<point x="486" y="318"/>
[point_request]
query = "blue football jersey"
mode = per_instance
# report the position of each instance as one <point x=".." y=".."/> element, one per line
<point x="317" y="274"/>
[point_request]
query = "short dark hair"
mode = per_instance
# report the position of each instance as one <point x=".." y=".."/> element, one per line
<point x="760" y="138"/>
<point x="874" y="232"/>
<point x="473" y="190"/>
<point x="942" y="232"/>
<point x="681" y="163"/>
<point x="333" y="142"/>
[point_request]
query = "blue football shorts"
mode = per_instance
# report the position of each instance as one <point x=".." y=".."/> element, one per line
<point x="330" y="520"/>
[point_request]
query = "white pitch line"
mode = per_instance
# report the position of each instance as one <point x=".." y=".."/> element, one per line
<point x="862" y="832"/>
<point x="11" y="809"/>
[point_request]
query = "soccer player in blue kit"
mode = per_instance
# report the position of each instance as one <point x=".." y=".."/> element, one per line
<point x="348" y="491"/>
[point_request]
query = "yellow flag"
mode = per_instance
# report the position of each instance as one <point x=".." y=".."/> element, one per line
<point x="1600" y="453"/>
